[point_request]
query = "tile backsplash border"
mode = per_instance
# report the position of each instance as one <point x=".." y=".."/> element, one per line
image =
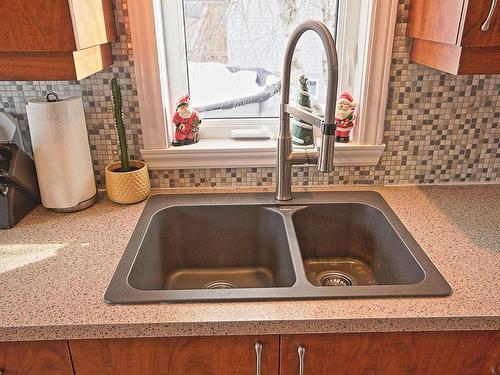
<point x="439" y="128"/>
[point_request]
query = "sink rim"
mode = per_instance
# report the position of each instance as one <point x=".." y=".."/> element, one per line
<point x="120" y="291"/>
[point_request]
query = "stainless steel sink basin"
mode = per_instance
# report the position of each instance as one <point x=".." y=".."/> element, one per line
<point x="252" y="247"/>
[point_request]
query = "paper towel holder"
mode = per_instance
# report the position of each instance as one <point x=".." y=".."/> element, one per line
<point x="51" y="97"/>
<point x="64" y="186"/>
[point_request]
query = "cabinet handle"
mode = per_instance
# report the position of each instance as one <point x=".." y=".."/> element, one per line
<point x="258" y="354"/>
<point x="486" y="24"/>
<point x="301" y="351"/>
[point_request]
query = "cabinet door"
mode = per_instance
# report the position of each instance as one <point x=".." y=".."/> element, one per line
<point x="438" y="21"/>
<point x="35" y="358"/>
<point x="36" y="26"/>
<point x="416" y="353"/>
<point x="232" y="355"/>
<point x="477" y="13"/>
<point x="93" y="22"/>
<point x="491" y="362"/>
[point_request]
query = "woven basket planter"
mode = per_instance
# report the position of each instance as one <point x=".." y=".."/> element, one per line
<point x="127" y="187"/>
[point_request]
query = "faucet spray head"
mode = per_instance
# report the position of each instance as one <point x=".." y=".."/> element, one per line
<point x="325" y="160"/>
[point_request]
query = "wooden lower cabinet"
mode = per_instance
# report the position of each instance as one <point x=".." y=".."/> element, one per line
<point x="397" y="353"/>
<point x="412" y="353"/>
<point x="231" y="355"/>
<point x="491" y="360"/>
<point x="35" y="358"/>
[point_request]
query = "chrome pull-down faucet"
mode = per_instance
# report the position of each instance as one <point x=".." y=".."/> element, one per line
<point x="287" y="157"/>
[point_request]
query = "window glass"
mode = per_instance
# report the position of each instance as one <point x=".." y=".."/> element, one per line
<point x="235" y="51"/>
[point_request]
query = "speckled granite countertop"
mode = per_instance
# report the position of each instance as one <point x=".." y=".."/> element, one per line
<point x="54" y="269"/>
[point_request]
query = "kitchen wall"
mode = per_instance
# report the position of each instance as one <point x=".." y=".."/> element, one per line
<point x="438" y="128"/>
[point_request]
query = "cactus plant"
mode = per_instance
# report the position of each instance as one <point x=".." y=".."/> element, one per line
<point x="120" y="127"/>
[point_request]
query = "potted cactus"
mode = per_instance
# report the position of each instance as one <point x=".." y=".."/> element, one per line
<point x="127" y="181"/>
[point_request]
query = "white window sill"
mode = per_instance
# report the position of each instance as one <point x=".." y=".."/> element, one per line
<point x="231" y="153"/>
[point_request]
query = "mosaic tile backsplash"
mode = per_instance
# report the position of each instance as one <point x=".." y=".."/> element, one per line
<point x="438" y="127"/>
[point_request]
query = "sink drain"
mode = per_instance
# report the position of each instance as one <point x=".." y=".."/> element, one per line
<point x="220" y="284"/>
<point x="333" y="278"/>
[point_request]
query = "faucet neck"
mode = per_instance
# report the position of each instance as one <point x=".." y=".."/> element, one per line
<point x="331" y="58"/>
<point x="286" y="156"/>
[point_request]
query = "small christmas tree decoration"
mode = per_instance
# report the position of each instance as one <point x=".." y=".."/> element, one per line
<point x="302" y="132"/>
<point x="344" y="117"/>
<point x="187" y="122"/>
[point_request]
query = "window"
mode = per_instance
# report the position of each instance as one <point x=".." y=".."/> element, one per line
<point x="227" y="55"/>
<point x="234" y="53"/>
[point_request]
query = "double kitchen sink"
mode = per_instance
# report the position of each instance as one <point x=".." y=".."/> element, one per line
<point x="251" y="247"/>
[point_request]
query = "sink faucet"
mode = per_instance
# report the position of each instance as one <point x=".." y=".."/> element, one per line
<point x="286" y="156"/>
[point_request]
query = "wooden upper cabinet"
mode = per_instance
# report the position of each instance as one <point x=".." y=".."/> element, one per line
<point x="456" y="36"/>
<point x="36" y="26"/>
<point x="476" y="15"/>
<point x="437" y="21"/>
<point x="35" y="358"/>
<point x="93" y="22"/>
<point x="55" y="39"/>
<point x="234" y="355"/>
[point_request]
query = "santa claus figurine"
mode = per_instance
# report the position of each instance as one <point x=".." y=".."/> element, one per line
<point x="187" y="122"/>
<point x="344" y="117"/>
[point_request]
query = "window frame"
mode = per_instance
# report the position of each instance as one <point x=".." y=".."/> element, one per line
<point x="152" y="70"/>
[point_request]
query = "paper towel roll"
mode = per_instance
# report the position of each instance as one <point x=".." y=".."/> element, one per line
<point x="61" y="152"/>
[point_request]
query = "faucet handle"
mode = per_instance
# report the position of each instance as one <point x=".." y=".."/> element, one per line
<point x="300" y="114"/>
<point x="325" y="157"/>
<point x="303" y="115"/>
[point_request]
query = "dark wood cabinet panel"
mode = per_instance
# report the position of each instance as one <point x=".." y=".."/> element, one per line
<point x="233" y="355"/>
<point x="491" y="360"/>
<point x="393" y="353"/>
<point x="36" y="26"/>
<point x="447" y="35"/>
<point x="416" y="353"/>
<point x="477" y="13"/>
<point x="35" y="358"/>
